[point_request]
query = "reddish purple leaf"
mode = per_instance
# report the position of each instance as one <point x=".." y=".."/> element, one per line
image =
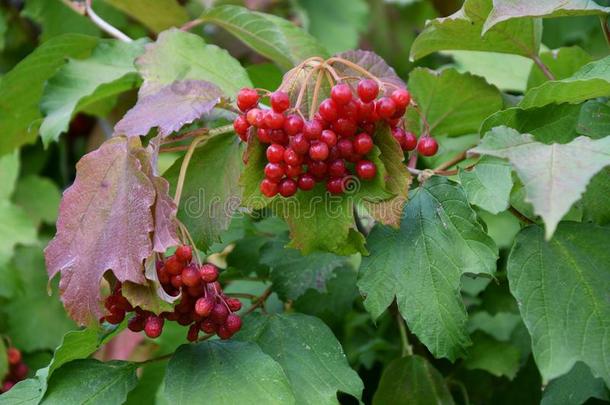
<point x="371" y="62"/>
<point x="170" y="108"/>
<point x="105" y="221"/>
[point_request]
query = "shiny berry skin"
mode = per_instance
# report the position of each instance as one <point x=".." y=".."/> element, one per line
<point x="366" y="169"/>
<point x="115" y="317"/>
<point x="269" y="188"/>
<point x="184" y="253"/>
<point x="337" y="168"/>
<point x="207" y="326"/>
<point x="190" y="276"/>
<point x="385" y="107"/>
<point x="174" y="266"/>
<point x="274" y="120"/>
<point x="275" y="153"/>
<point x="274" y="171"/>
<point x="299" y="144"/>
<point x="136" y="324"/>
<point x="335" y="186"/>
<point x="263" y="135"/>
<point x="208" y="273"/>
<point x="345" y="147"/>
<point x="328" y="110"/>
<point x="363" y="143"/>
<point x="401" y="97"/>
<point x="287" y="187"/>
<point x="318" y="151"/>
<point x="293" y="124"/>
<point x="177" y="281"/>
<point x="223" y="332"/>
<point x="255" y="117"/>
<point x="204" y="306"/>
<point x="219" y="313"/>
<point x="193" y="333"/>
<point x="306" y="182"/>
<point x="233" y="323"/>
<point x="312" y="129"/>
<point x="344" y="127"/>
<point x="368" y="90"/>
<point x="234" y="304"/>
<point x="365" y="111"/>
<point x="153" y="326"/>
<point x="349" y="111"/>
<point x="329" y="138"/>
<point x="291" y="157"/>
<point x="293" y="171"/>
<point x="399" y="135"/>
<point x="279" y="101"/>
<point x="241" y="126"/>
<point x="317" y="168"/>
<point x="410" y="141"/>
<point x="427" y="146"/>
<point x="163" y="276"/>
<point x="341" y="93"/>
<point x="278" y="136"/>
<point x="246" y="99"/>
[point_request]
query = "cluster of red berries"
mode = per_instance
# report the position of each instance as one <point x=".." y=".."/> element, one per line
<point x="17" y="369"/>
<point x="331" y="146"/>
<point x="203" y="305"/>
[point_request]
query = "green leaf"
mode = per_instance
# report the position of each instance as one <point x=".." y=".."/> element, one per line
<point x="594" y="201"/>
<point x="464" y="30"/>
<point x="21" y="89"/>
<point x="9" y="171"/>
<point x="497" y="358"/>
<point x="336" y="24"/>
<point x="421" y="265"/>
<point x="594" y="119"/>
<point x="179" y="55"/>
<point x="506" y="10"/>
<point x="108" y="71"/>
<point x="271" y="36"/>
<point x="3" y="360"/>
<point x="308" y="352"/>
<point x="590" y="81"/>
<point x="488" y="184"/>
<point x="15" y="228"/>
<point x="39" y="197"/>
<point x="453" y="103"/>
<point x="211" y="192"/>
<point x="234" y="372"/>
<point x="55" y="18"/>
<point x="26" y="392"/>
<point x="574" y="388"/>
<point x="499" y="325"/>
<point x="562" y="288"/>
<point x="544" y="168"/>
<point x="562" y="63"/>
<point x="156" y="15"/>
<point x="412" y="380"/>
<point x="92" y="382"/>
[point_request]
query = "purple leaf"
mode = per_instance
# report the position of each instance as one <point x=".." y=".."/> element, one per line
<point x="170" y="108"/>
<point x="371" y="62"/>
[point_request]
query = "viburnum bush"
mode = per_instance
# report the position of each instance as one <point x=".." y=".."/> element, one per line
<point x="305" y="202"/>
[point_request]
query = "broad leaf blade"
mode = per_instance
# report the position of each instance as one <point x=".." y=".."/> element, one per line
<point x="495" y="357"/>
<point x="157" y="15"/>
<point x="562" y="63"/>
<point x="488" y="184"/>
<point x="575" y="388"/>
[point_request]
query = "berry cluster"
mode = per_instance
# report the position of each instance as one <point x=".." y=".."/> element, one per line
<point x="203" y="306"/>
<point x="331" y="146"/>
<point x="17" y="369"/>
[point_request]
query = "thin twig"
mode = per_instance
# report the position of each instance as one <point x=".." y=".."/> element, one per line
<point x="407" y="349"/>
<point x="544" y="68"/>
<point x="316" y="92"/>
<point x="191" y="24"/>
<point x="457" y="159"/>
<point x="103" y="25"/>
<point x="259" y="302"/>
<point x="520" y="216"/>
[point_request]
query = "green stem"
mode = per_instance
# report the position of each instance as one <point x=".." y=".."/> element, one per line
<point x="407" y="349"/>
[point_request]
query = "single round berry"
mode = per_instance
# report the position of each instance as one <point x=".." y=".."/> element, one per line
<point x="287" y="187"/>
<point x="255" y="117"/>
<point x="317" y="168"/>
<point x="306" y="182"/>
<point x="341" y="93"/>
<point x="193" y="333"/>
<point x="241" y="126"/>
<point x="329" y="138"/>
<point x="153" y="326"/>
<point x="7" y="385"/>
<point x="274" y="120"/>
<point x="299" y="144"/>
<point x="280" y="101"/>
<point x="204" y="306"/>
<point x="184" y="253"/>
<point x="219" y="313"/>
<point x="20" y="371"/>
<point x="233" y="323"/>
<point x="337" y="168"/>
<point x="223" y="332"/>
<point x="136" y="324"/>
<point x="365" y="111"/>
<point x="410" y="141"/>
<point x="363" y="144"/>
<point x="174" y="266"/>
<point x="349" y="111"/>
<point x="247" y="98"/>
<point x="263" y="135"/>
<point x="274" y="171"/>
<point x="291" y="157"/>
<point x="345" y="147"/>
<point x="275" y="153"/>
<point x="293" y="124"/>
<point x="328" y="110"/>
<point x="293" y="171"/>
<point x="278" y="136"/>
<point x="312" y="129"/>
<point x="366" y="169"/>
<point x="318" y="151"/>
<point x="427" y="146"/>
<point x="177" y="281"/>
<point x="190" y="276"/>
<point x="208" y="273"/>
<point x="399" y="135"/>
<point x="14" y="356"/>
<point x="269" y="188"/>
<point x="385" y="107"/>
<point x="344" y="127"/>
<point x="368" y="90"/>
<point x="335" y="186"/>
<point x="401" y="97"/>
<point x="207" y="326"/>
<point x="234" y="304"/>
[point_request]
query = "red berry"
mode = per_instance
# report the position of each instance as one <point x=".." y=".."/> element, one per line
<point x="363" y="144"/>
<point x="275" y="153"/>
<point x="20" y="371"/>
<point x="366" y="169"/>
<point x="299" y="144"/>
<point x="318" y="151"/>
<point x="7" y="385"/>
<point x="345" y="147"/>
<point x="247" y="98"/>
<point x="136" y="324"/>
<point x="293" y="124"/>
<point x="368" y="127"/>
<point x="115" y="317"/>
<point x="234" y="304"/>
<point x="278" y="136"/>
<point x="328" y="110"/>
<point x="219" y="313"/>
<point x="287" y="187"/>
<point x="291" y="157"/>
<point x="312" y="129"/>
<point x="255" y="117"/>
<point x="365" y="111"/>
<point x="193" y="333"/>
<point x="241" y="126"/>
<point x="14" y="356"/>
<point x="208" y="273"/>
<point x="349" y="111"/>
<point x="204" y="306"/>
<point x="341" y="93"/>
<point x="410" y="141"/>
<point x="317" y="168"/>
<point x="337" y="168"/>
<point x="280" y="101"/>
<point x="184" y="253"/>
<point x="263" y="135"/>
<point x="329" y="138"/>
<point x="177" y="281"/>
<point x="190" y="276"/>
<point x="274" y="120"/>
<point x="174" y="266"/>
<point x="153" y="326"/>
<point x="306" y="182"/>
<point x="293" y="171"/>
<point x="233" y="323"/>
<point x="207" y="326"/>
<point x="385" y="107"/>
<point x="335" y="186"/>
<point x="268" y="188"/>
<point x="399" y="135"/>
<point x="345" y="127"/>
<point x="368" y="90"/>
<point x="223" y="332"/>
<point x="427" y="146"/>
<point x="401" y="97"/>
<point x="274" y="171"/>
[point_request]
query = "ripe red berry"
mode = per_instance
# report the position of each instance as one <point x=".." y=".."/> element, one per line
<point x="306" y="181"/>
<point x="255" y="117"/>
<point x="363" y="144"/>
<point x="269" y="188"/>
<point x="177" y="281"/>
<point x="318" y="151"/>
<point x="223" y="332"/>
<point x="299" y="144"/>
<point x="14" y="356"/>
<point x="153" y="326"/>
<point x="287" y="187"/>
<point x="207" y="326"/>
<point x="293" y="171"/>
<point x="184" y="253"/>
<point x="174" y="266"/>
<point x="349" y="111"/>
<point x="345" y="127"/>
<point x="329" y="138"/>
<point x="20" y="371"/>
<point x="341" y="93"/>
<point x="368" y="90"/>
<point x="233" y="323"/>
<point x="190" y="276"/>
<point x="234" y="304"/>
<point x="219" y="313"/>
<point x="208" y="273"/>
<point x="337" y="168"/>
<point x="366" y="169"/>
<point x="427" y="146"/>
<point x="335" y="186"/>
<point x="399" y="135"/>
<point x="293" y="124"/>
<point x="410" y="141"/>
<point x="328" y="110"/>
<point x="193" y="333"/>
<point x="263" y="135"/>
<point x="7" y="385"/>
<point x="274" y="171"/>
<point x="368" y="127"/>
<point x="312" y="129"/>
<point x="204" y="306"/>
<point x="345" y="147"/>
<point x="275" y="153"/>
<point x="241" y="126"/>
<point x="136" y="324"/>
<point x="317" y="168"/>
<point x="278" y="136"/>
<point x="280" y="101"/>
<point x="291" y="157"/>
<point x="401" y="97"/>
<point x="365" y="111"/>
<point x="246" y="99"/>
<point x="274" y="120"/>
<point x="385" y="107"/>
